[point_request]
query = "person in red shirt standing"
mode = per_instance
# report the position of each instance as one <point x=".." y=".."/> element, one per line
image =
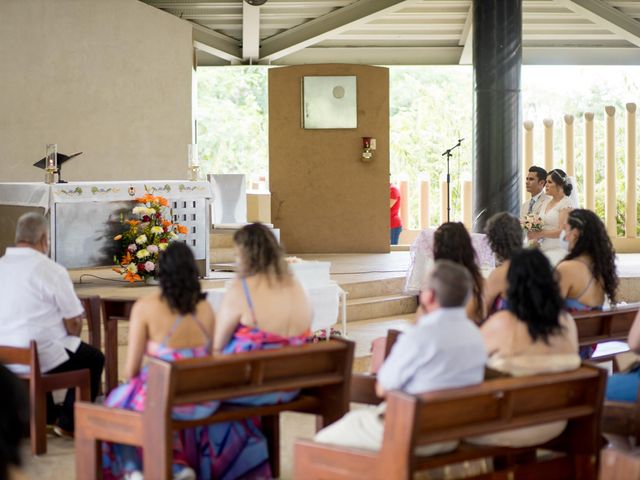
<point x="395" y="222"/>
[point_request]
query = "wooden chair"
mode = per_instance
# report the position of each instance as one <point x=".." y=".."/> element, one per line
<point x="113" y="310"/>
<point x="322" y="373"/>
<point x="493" y="406"/>
<point x="92" y="309"/>
<point x="39" y="385"/>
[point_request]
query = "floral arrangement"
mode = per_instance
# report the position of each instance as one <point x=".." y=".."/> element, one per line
<point x="146" y="236"/>
<point x="532" y="223"/>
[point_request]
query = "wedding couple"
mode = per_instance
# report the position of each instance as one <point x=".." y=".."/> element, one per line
<point x="553" y="196"/>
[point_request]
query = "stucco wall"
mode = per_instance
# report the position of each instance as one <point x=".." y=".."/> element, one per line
<point x="109" y="78"/>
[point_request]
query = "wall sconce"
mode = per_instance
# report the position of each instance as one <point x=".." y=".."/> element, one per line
<point x="368" y="145"/>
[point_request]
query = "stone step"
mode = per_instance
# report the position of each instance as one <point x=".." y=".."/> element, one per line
<point x="380" y="306"/>
<point x="374" y="288"/>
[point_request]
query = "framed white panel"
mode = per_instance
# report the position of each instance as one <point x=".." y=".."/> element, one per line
<point x="329" y="102"/>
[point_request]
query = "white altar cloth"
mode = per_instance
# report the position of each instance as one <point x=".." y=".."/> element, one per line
<point x="324" y="300"/>
<point x="422" y="258"/>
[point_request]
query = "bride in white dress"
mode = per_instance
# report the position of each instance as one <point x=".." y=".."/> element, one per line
<point x="554" y="212"/>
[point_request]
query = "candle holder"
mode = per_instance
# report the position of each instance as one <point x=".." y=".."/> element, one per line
<point x="51" y="163"/>
<point x="193" y="162"/>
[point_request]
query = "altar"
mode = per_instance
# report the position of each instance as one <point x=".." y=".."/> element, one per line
<point x="85" y="216"/>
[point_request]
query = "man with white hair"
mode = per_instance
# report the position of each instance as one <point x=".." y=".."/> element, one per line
<point x="39" y="303"/>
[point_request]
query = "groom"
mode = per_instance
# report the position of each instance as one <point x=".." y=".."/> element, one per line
<point x="536" y="178"/>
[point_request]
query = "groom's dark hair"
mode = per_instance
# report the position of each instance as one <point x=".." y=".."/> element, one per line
<point x="540" y="172"/>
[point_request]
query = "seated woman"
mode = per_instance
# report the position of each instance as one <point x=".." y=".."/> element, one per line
<point x="588" y="272"/>
<point x="624" y="387"/>
<point x="505" y="237"/>
<point x="173" y="324"/>
<point x="452" y="242"/>
<point x="533" y="335"/>
<point x="264" y="308"/>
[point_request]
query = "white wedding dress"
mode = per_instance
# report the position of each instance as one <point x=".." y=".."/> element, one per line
<point x="552" y="247"/>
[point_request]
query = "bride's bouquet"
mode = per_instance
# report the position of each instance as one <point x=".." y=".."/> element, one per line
<point x="532" y="223"/>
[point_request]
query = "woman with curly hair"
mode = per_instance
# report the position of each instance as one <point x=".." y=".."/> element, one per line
<point x="504" y="234"/>
<point x="532" y="335"/>
<point x="451" y="241"/>
<point x="588" y="272"/>
<point x="172" y="324"/>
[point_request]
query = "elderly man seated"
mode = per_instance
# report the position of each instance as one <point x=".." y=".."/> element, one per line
<point x="39" y="303"/>
<point x="444" y="350"/>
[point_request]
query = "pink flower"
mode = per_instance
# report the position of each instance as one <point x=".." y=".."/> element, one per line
<point x="149" y="266"/>
<point x="152" y="249"/>
<point x="132" y="247"/>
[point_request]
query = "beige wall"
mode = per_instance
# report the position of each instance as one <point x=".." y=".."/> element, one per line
<point x="324" y="198"/>
<point x="111" y="78"/>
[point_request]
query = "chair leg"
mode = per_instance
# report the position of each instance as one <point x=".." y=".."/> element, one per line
<point x="38" y="423"/>
<point x="271" y="430"/>
<point x="88" y="457"/>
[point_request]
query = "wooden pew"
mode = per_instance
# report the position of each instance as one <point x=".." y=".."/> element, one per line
<point x="113" y="310"/>
<point x="493" y="406"/>
<point x="321" y="371"/>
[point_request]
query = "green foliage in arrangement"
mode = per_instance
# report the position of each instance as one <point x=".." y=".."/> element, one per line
<point x="430" y="108"/>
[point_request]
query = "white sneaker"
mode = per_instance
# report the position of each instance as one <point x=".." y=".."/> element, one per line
<point x="135" y="475"/>
<point x="187" y="473"/>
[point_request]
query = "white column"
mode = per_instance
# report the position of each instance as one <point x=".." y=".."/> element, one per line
<point x="610" y="171"/>
<point x="631" y="222"/>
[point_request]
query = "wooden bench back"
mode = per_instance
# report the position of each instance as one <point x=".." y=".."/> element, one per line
<point x="596" y="326"/>
<point x="21" y="356"/>
<point x="496" y="405"/>
<point x="325" y="364"/>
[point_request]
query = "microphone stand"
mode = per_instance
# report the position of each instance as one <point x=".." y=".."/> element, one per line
<point x="448" y="154"/>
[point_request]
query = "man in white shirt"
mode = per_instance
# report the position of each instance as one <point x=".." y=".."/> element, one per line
<point x="535" y="181"/>
<point x="39" y="303"/>
<point x="444" y="350"/>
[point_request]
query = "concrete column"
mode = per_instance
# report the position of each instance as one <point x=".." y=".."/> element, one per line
<point x="589" y="163"/>
<point x="467" y="207"/>
<point x="528" y="155"/>
<point x="425" y="208"/>
<point x="548" y="144"/>
<point x="569" y="157"/>
<point x="497" y="61"/>
<point x="631" y="219"/>
<point x="610" y="171"/>
<point x="404" y="203"/>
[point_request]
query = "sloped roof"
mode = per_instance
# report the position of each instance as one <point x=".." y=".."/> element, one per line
<point x="402" y="32"/>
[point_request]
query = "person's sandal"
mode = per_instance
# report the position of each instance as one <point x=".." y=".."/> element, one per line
<point x="61" y="432"/>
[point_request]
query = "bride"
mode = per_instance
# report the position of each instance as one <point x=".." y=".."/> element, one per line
<point x="554" y="212"/>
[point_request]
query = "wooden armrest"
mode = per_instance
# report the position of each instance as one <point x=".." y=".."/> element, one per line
<point x="109" y="424"/>
<point x="75" y="378"/>
<point x="363" y="389"/>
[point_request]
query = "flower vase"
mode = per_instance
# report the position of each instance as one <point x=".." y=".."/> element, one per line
<point x="151" y="281"/>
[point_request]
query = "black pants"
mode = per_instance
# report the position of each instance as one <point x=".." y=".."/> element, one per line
<point x="85" y="356"/>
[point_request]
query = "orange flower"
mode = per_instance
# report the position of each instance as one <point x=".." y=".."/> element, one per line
<point x="132" y="277"/>
<point x="128" y="258"/>
<point x="182" y="229"/>
<point x="116" y="269"/>
<point x="166" y="223"/>
<point x="118" y="237"/>
<point x="163" y="201"/>
<point x="133" y="223"/>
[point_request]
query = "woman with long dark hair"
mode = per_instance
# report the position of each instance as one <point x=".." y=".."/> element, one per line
<point x="172" y="324"/>
<point x="504" y="234"/>
<point x="452" y="242"/>
<point x="532" y="335"/>
<point x="588" y="273"/>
